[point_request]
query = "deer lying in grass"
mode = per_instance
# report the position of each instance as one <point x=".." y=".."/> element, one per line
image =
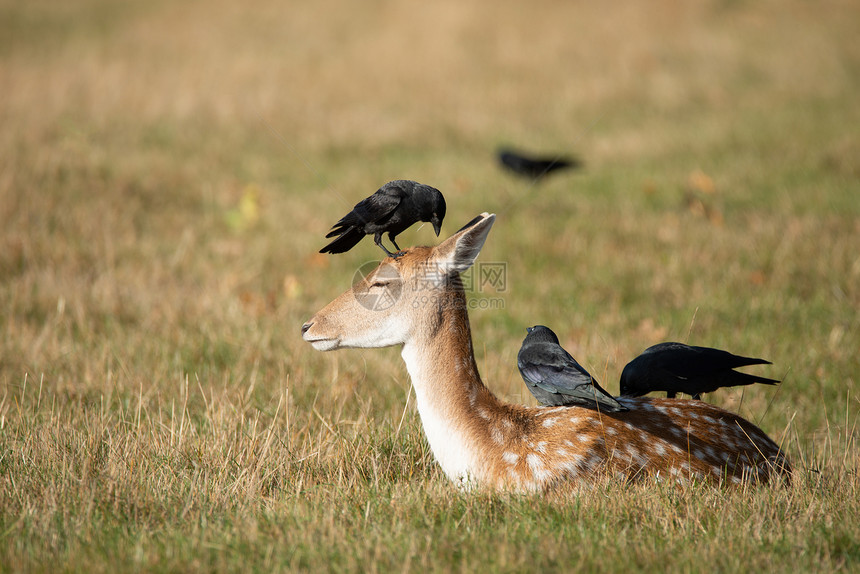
<point x="417" y="300"/>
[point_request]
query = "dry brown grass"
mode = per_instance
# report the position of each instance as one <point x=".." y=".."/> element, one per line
<point x="168" y="171"/>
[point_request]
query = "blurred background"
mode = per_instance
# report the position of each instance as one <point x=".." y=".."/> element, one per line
<point x="168" y="171"/>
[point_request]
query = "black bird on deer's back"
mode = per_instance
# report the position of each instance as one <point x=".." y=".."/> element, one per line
<point x="393" y="208"/>
<point x="679" y="368"/>
<point x="555" y="378"/>
<point x="533" y="167"/>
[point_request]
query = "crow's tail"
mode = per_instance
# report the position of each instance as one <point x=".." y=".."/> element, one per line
<point x="739" y="379"/>
<point x="609" y="405"/>
<point x="347" y="240"/>
<point x="605" y="401"/>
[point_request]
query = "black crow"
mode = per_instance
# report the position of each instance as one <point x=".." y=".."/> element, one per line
<point x="679" y="368"/>
<point x="533" y="167"/>
<point x="555" y="378"/>
<point x="394" y="207"/>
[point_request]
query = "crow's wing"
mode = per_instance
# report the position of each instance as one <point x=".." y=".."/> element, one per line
<point x="555" y="378"/>
<point x="689" y="362"/>
<point x="375" y="209"/>
<point x="552" y="368"/>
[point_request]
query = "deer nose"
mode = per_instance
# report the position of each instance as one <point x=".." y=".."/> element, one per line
<point x="306" y="326"/>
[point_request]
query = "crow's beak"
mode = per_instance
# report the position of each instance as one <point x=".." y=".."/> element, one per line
<point x="437" y="227"/>
<point x="529" y="329"/>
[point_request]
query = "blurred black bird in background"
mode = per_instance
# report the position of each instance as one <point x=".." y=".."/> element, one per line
<point x="555" y="378"/>
<point x="679" y="368"/>
<point x="393" y="208"/>
<point x="534" y="167"/>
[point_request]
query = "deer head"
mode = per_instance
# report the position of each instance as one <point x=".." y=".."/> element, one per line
<point x="402" y="296"/>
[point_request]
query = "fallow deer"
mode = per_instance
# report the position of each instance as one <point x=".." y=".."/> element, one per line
<point x="417" y="300"/>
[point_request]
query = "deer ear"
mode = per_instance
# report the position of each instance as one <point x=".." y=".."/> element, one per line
<point x="458" y="252"/>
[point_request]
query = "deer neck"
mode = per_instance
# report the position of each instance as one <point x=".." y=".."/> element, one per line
<point x="448" y="388"/>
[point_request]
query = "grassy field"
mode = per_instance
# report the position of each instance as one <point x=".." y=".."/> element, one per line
<point x="168" y="172"/>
